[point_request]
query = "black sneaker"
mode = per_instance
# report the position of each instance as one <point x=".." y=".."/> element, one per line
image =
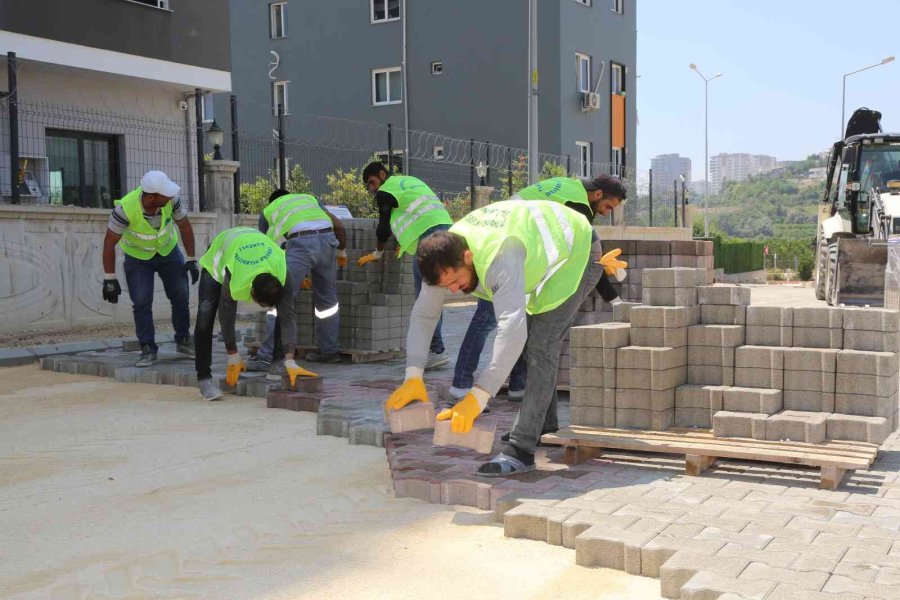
<point x="148" y="357"/>
<point x="186" y="347"/>
<point x="319" y="357"/>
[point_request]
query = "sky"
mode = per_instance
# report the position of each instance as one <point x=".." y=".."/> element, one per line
<point x="782" y="65"/>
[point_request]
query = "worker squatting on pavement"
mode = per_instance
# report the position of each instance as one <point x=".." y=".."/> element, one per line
<point x="534" y="258"/>
<point x="410" y="210"/>
<point x="589" y="197"/>
<point x="315" y="244"/>
<point x="143" y="223"/>
<point x="241" y="265"/>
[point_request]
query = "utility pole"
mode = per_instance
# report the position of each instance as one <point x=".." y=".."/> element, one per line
<point x="533" y="159"/>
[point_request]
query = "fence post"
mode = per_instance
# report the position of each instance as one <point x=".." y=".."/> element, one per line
<point x="282" y="176"/>
<point x="568" y="165"/>
<point x="675" y="188"/>
<point x="471" y="173"/>
<point x="235" y="154"/>
<point x="684" y="222"/>
<point x="198" y="121"/>
<point x="487" y="160"/>
<point x="13" y="95"/>
<point x="651" y="197"/>
<point x="509" y="171"/>
<point x="390" y="164"/>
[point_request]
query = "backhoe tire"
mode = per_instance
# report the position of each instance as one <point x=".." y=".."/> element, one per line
<point x="821" y="269"/>
<point x="831" y="285"/>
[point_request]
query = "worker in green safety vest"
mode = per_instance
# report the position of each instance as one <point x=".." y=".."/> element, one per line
<point x="529" y="258"/>
<point x="242" y="265"/>
<point x="145" y="224"/>
<point x="589" y="197"/>
<point x="410" y="210"/>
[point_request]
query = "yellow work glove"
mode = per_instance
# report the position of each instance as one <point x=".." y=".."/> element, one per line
<point x="306" y="283"/>
<point x="376" y="255"/>
<point x="463" y="414"/>
<point x="234" y="368"/>
<point x="294" y="370"/>
<point x="612" y="266"/>
<point x="341" y="258"/>
<point x="412" y="390"/>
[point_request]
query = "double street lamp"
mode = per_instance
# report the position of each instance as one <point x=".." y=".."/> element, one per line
<point x="705" y="145"/>
<point x="884" y="61"/>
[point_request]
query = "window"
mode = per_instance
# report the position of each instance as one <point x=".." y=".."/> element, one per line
<point x="207" y="109"/>
<point x="437" y="68"/>
<point x="617" y="79"/>
<point x="385" y="10"/>
<point x="280" y="96"/>
<point x="164" y="4"/>
<point x="618" y="7"/>
<point x="617" y="158"/>
<point x="84" y="168"/>
<point x="278" y="20"/>
<point x="583" y="66"/>
<point x="584" y="158"/>
<point x="387" y="86"/>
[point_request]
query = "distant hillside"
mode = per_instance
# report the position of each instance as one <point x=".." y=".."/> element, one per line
<point x="780" y="204"/>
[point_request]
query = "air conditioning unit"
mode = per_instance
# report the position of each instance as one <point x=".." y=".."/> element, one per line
<point x="590" y="101"/>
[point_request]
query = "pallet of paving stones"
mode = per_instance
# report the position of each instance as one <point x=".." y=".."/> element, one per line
<point x="360" y="356"/>
<point x="701" y="449"/>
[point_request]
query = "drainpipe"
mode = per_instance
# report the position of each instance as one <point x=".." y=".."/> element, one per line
<point x="188" y="154"/>
<point x="406" y="160"/>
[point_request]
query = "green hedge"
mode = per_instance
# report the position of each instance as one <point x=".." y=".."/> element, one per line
<point x="738" y="256"/>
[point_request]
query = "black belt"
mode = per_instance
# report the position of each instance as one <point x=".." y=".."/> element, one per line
<point x="291" y="236"/>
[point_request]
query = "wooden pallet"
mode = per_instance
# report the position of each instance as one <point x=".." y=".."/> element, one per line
<point x="360" y="356"/>
<point x="701" y="449"/>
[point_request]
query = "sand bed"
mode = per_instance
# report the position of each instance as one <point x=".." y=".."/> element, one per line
<point x="111" y="490"/>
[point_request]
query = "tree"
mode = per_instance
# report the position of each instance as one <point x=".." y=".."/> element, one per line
<point x="347" y="188"/>
<point x="255" y="196"/>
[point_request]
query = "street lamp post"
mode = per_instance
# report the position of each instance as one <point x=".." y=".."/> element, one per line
<point x="884" y="61"/>
<point x="705" y="146"/>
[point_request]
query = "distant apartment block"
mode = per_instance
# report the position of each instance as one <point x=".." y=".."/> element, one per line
<point x="466" y="72"/>
<point x="737" y="167"/>
<point x="668" y="168"/>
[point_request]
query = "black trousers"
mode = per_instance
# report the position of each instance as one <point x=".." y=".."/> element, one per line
<point x="210" y="294"/>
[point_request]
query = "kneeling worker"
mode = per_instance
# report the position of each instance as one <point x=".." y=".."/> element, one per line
<point x="528" y="257"/>
<point x="241" y="264"/>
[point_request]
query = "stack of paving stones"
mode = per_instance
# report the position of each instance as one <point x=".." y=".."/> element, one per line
<point x="640" y="255"/>
<point x="694" y="355"/>
<point x="375" y="300"/>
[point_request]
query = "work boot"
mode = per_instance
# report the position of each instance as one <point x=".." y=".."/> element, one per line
<point x="436" y="360"/>
<point x="148" y="356"/>
<point x="185" y="346"/>
<point x="209" y="390"/>
<point x="320" y="357"/>
<point x="258" y="364"/>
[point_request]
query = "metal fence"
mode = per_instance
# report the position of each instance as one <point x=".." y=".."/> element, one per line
<point x="84" y="157"/>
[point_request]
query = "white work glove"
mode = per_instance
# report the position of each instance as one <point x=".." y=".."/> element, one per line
<point x="233" y="369"/>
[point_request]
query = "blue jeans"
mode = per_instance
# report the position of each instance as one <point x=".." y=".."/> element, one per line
<point x="483" y="323"/>
<point x="140" y="275"/>
<point x="437" y="342"/>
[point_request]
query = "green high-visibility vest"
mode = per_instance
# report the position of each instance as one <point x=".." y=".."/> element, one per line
<point x="557" y="189"/>
<point x="557" y="243"/>
<point x="246" y="253"/>
<point x="286" y="212"/>
<point x="419" y="209"/>
<point x="140" y="240"/>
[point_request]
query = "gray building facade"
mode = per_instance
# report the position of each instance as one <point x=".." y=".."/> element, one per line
<point x="467" y="71"/>
<point x="668" y="168"/>
<point x="106" y="92"/>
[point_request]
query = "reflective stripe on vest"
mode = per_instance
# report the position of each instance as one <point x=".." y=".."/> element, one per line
<point x="140" y="240"/>
<point x="286" y="212"/>
<point x="552" y="251"/>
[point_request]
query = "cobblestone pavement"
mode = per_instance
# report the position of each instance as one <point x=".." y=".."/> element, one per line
<point x="741" y="530"/>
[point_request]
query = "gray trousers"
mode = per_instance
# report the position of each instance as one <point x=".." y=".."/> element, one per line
<point x="546" y="332"/>
<point x="312" y="254"/>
